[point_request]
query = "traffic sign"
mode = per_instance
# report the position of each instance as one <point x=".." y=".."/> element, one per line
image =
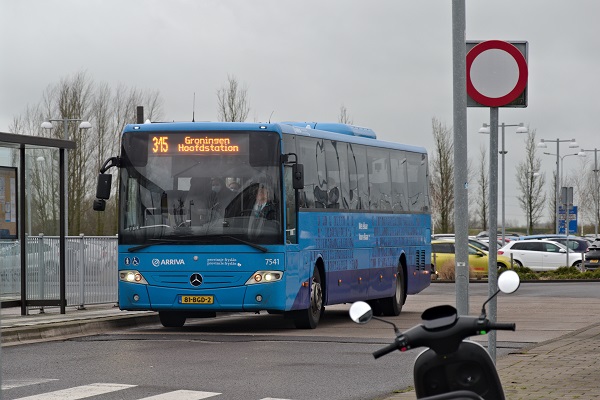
<point x="572" y="219"/>
<point x="497" y="74"/>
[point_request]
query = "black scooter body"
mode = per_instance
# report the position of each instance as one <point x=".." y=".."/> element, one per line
<point x="470" y="368"/>
<point x="452" y="367"/>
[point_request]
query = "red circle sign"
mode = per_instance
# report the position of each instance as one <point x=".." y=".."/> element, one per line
<point x="508" y="95"/>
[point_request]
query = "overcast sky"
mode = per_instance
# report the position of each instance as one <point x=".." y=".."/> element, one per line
<point x="388" y="62"/>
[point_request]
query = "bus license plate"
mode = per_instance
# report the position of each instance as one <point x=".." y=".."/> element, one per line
<point x="196" y="300"/>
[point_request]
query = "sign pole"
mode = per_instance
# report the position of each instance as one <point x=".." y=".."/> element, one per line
<point x="461" y="198"/>
<point x="493" y="217"/>
<point x="491" y="68"/>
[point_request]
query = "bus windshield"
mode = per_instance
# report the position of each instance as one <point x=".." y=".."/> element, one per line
<point x="200" y="188"/>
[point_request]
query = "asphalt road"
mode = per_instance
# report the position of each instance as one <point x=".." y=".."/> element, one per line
<point x="263" y="356"/>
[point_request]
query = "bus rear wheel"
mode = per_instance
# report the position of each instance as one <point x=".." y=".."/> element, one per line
<point x="392" y="306"/>
<point x="309" y="318"/>
<point x="171" y="319"/>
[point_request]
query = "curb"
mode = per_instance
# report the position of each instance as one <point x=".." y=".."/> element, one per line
<point x="70" y="329"/>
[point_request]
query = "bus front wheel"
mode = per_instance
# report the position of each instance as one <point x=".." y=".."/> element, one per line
<point x="309" y="318"/>
<point x="171" y="319"/>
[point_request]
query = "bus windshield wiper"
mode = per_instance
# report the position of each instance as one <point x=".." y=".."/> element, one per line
<point x="253" y="245"/>
<point x="160" y="241"/>
<point x="195" y="240"/>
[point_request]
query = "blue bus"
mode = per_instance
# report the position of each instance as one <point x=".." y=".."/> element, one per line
<point x="342" y="217"/>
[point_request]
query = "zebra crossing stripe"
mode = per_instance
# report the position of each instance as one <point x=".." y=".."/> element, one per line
<point x="182" y="395"/>
<point x="15" y="383"/>
<point x="79" y="392"/>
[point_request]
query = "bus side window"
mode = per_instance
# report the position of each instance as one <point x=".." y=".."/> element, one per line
<point x="307" y="157"/>
<point x="379" y="179"/>
<point x="359" y="186"/>
<point x="417" y="176"/>
<point x="399" y="188"/>
<point x="336" y="160"/>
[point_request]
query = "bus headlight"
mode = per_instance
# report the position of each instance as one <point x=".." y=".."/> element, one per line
<point x="264" y="277"/>
<point x="132" y="276"/>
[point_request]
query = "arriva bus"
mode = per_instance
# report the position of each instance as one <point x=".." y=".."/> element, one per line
<point x="280" y="217"/>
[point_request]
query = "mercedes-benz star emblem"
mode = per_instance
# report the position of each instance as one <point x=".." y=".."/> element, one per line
<point x="196" y="279"/>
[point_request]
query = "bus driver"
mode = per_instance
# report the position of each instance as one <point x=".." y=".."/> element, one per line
<point x="264" y="210"/>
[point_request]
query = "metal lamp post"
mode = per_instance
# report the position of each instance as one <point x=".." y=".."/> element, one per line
<point x="572" y="144"/>
<point x="485" y="129"/>
<point x="65" y="121"/>
<point x="597" y="188"/>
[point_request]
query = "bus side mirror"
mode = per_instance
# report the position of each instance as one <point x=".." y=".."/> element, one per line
<point x="298" y="176"/>
<point x="99" y="205"/>
<point x="102" y="191"/>
<point x="103" y="188"/>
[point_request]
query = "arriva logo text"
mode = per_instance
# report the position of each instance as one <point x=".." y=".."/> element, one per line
<point x="169" y="261"/>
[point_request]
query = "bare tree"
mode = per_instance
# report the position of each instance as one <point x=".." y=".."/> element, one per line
<point x="483" y="183"/>
<point x="108" y="110"/>
<point x="589" y="197"/>
<point x="442" y="177"/>
<point x="232" y="101"/>
<point x="111" y="111"/>
<point x="532" y="199"/>
<point x="344" y="118"/>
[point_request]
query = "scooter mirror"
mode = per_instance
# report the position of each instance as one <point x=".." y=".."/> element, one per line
<point x="509" y="282"/>
<point x="361" y="312"/>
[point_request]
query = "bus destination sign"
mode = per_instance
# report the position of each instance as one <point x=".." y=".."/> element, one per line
<point x="194" y="144"/>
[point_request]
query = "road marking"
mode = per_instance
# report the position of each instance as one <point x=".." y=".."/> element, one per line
<point x="15" y="383"/>
<point x="79" y="392"/>
<point x="182" y="395"/>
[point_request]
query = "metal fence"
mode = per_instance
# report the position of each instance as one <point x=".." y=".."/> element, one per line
<point x="91" y="269"/>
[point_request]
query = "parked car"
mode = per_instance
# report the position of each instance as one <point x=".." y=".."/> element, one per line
<point x="592" y="257"/>
<point x="37" y="255"/>
<point x="472" y="241"/>
<point x="540" y="254"/>
<point x="442" y="236"/>
<point x="510" y="235"/>
<point x="577" y="244"/>
<point x="443" y="253"/>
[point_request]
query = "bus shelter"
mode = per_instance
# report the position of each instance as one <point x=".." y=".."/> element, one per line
<point x="22" y="143"/>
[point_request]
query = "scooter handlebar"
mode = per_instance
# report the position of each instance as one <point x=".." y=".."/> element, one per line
<point x="387" y="349"/>
<point x="443" y="340"/>
<point x="502" y="326"/>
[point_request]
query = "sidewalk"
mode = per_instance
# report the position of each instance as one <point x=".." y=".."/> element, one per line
<point x="94" y="319"/>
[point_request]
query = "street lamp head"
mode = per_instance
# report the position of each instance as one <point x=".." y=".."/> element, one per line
<point x="573" y="144"/>
<point x="46" y="125"/>
<point x="542" y="144"/>
<point x="85" y="125"/>
<point x="522" y="128"/>
<point x="582" y="153"/>
<point x="485" y="129"/>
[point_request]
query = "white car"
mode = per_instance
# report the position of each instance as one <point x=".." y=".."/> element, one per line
<point x="540" y="255"/>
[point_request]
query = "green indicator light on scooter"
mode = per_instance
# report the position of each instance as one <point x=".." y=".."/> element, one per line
<point x="482" y="332"/>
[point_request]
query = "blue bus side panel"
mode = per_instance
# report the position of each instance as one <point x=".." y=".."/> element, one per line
<point x="361" y="252"/>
